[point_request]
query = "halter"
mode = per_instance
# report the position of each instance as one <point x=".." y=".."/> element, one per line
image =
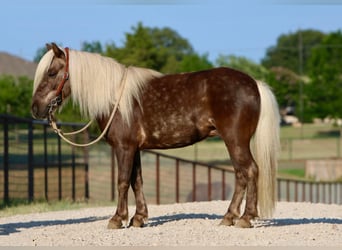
<point x="66" y="73"/>
<point x="57" y="101"/>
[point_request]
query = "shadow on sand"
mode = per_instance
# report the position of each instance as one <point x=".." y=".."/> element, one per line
<point x="156" y="221"/>
<point x="14" y="227"/>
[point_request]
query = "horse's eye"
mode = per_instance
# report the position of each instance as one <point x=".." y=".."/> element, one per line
<point x="52" y="73"/>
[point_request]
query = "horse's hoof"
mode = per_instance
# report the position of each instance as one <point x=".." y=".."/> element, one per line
<point x="226" y="222"/>
<point x="114" y="224"/>
<point x="243" y="223"/>
<point x="137" y="221"/>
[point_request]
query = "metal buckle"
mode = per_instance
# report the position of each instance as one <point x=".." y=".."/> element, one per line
<point x="55" y="103"/>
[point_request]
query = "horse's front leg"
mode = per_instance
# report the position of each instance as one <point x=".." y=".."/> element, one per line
<point x="141" y="213"/>
<point x="125" y="158"/>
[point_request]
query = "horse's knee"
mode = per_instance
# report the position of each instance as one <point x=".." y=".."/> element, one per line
<point x="123" y="187"/>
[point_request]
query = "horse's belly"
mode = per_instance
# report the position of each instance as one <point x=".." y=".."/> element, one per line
<point x="173" y="135"/>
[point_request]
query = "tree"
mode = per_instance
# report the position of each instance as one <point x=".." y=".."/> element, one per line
<point x="93" y="47"/>
<point x="325" y="72"/>
<point x="155" y="48"/>
<point x="15" y="95"/>
<point x="289" y="47"/>
<point x="285" y="84"/>
<point x="255" y="70"/>
<point x="194" y="62"/>
<point x="39" y="54"/>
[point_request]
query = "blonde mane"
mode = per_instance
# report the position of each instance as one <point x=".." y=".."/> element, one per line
<point x="95" y="81"/>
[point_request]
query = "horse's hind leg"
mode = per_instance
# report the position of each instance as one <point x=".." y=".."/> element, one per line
<point x="246" y="175"/>
<point x="141" y="212"/>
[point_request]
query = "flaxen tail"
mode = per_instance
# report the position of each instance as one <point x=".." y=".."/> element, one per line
<point x="265" y="147"/>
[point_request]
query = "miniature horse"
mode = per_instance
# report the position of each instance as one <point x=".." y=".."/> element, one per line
<point x="158" y="111"/>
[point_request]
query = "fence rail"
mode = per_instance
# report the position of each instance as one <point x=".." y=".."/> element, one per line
<point x="34" y="158"/>
<point x="215" y="179"/>
<point x="309" y="191"/>
<point x="36" y="164"/>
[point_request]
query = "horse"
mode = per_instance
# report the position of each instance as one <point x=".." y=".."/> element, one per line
<point x="162" y="111"/>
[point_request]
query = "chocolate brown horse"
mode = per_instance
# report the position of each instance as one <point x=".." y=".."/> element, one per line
<point x="158" y="111"/>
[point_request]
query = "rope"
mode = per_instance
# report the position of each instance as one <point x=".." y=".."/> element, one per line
<point x="81" y="130"/>
<point x="61" y="134"/>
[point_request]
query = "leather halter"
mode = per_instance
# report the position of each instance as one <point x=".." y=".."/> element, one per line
<point x="57" y="101"/>
<point x="65" y="75"/>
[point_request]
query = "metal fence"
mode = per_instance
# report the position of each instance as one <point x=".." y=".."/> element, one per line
<point x="36" y="165"/>
<point x="310" y="191"/>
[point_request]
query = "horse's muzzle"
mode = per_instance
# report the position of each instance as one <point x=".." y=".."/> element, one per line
<point x="38" y="113"/>
<point x="41" y="113"/>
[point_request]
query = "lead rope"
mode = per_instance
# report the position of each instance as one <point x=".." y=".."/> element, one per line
<point x="61" y="134"/>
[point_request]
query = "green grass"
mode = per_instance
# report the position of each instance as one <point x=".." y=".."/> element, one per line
<point x="293" y="172"/>
<point x="309" y="131"/>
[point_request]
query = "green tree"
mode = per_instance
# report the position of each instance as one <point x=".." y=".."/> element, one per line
<point x="325" y="89"/>
<point x="243" y="64"/>
<point x="39" y="54"/>
<point x="289" y="47"/>
<point x="194" y="62"/>
<point x="15" y="95"/>
<point x="285" y="84"/>
<point x="93" y="47"/>
<point x="155" y="48"/>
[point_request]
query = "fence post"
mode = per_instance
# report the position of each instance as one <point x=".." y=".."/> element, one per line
<point x="193" y="181"/>
<point x="287" y="190"/>
<point x="59" y="168"/>
<point x="46" y="185"/>
<point x="112" y="174"/>
<point x="209" y="184"/>
<point x="73" y="169"/>
<point x="177" y="180"/>
<point x="6" y="193"/>
<point x="30" y="163"/>
<point x="338" y="146"/>
<point x="157" y="180"/>
<point x="290" y="148"/>
<point x="223" y="185"/>
<point x="86" y="167"/>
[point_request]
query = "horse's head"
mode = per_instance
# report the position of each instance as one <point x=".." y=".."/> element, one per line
<point x="51" y="83"/>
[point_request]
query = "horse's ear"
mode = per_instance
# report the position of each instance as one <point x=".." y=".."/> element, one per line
<point x="56" y="50"/>
<point x="48" y="46"/>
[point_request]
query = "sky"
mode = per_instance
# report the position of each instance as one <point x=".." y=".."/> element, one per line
<point x="228" y="27"/>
